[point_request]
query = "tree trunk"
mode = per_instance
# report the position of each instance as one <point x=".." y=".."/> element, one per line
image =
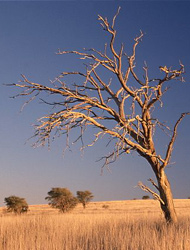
<point x="166" y="195"/>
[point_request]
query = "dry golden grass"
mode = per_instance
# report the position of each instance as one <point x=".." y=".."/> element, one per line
<point x="125" y="225"/>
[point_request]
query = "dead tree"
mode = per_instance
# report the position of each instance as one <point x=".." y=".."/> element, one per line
<point x="121" y="107"/>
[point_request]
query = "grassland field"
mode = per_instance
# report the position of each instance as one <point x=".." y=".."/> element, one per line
<point x="108" y="225"/>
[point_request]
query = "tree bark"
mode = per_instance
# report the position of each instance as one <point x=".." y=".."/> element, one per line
<point x="165" y="192"/>
<point x="167" y="206"/>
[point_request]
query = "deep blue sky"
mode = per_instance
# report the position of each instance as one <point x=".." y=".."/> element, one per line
<point x="30" y="34"/>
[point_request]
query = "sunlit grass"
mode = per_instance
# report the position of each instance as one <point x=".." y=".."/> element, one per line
<point x="124" y="225"/>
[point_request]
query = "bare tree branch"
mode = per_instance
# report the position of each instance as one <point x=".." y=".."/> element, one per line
<point x="147" y="189"/>
<point x="154" y="184"/>
<point x="170" y="146"/>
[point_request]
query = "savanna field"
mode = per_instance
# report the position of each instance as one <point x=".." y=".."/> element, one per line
<point x="109" y="225"/>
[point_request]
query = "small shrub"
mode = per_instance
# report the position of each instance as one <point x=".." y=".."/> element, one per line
<point x="105" y="206"/>
<point x="145" y="197"/>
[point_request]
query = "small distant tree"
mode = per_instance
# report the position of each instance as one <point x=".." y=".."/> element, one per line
<point x="16" y="204"/>
<point x="62" y="199"/>
<point x="146" y="197"/>
<point x="84" y="197"/>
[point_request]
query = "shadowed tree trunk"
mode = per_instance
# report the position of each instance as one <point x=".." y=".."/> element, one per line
<point x="163" y="187"/>
<point x="166" y="195"/>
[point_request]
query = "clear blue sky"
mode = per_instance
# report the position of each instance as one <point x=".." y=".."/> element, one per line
<point x="30" y="34"/>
